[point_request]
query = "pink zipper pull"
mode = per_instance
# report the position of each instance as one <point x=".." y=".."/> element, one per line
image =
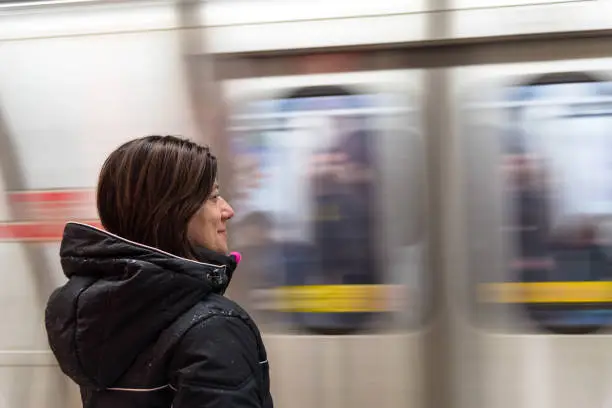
<point x="237" y="257"/>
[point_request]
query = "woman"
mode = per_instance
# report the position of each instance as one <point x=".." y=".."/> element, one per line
<point x="142" y="321"/>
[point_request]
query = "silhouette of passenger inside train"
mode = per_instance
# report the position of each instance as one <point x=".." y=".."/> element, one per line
<point x="344" y="234"/>
<point x="342" y="249"/>
<point x="568" y="251"/>
<point x="578" y="253"/>
<point x="530" y="213"/>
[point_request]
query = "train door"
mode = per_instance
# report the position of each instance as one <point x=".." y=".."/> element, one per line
<point x="535" y="156"/>
<point x="329" y="197"/>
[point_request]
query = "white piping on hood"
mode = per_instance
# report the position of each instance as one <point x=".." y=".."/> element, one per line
<point x="145" y="246"/>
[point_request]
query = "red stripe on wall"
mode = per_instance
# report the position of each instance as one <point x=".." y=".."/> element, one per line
<point x="36" y="231"/>
<point x="51" y="196"/>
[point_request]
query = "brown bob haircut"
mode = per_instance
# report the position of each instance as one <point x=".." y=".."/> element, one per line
<point x="149" y="188"/>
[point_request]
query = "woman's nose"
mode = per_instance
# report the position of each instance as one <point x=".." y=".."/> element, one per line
<point x="227" y="211"/>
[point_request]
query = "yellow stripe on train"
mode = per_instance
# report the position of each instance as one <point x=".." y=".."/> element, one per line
<point x="546" y="292"/>
<point x="333" y="298"/>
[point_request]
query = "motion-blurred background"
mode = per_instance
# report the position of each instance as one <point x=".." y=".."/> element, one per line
<point x="423" y="189"/>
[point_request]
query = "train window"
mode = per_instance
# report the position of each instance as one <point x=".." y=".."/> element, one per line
<point x="549" y="249"/>
<point x="309" y="211"/>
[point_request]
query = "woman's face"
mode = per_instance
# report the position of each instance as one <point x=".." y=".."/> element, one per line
<point x="208" y="226"/>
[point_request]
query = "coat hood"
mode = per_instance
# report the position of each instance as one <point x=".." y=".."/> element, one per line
<point x="119" y="297"/>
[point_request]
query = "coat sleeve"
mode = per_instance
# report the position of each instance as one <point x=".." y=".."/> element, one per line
<point x="214" y="366"/>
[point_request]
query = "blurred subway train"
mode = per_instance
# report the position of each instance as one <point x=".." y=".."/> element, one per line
<point x="423" y="190"/>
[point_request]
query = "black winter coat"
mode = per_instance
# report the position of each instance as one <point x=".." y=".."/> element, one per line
<point x="140" y="328"/>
